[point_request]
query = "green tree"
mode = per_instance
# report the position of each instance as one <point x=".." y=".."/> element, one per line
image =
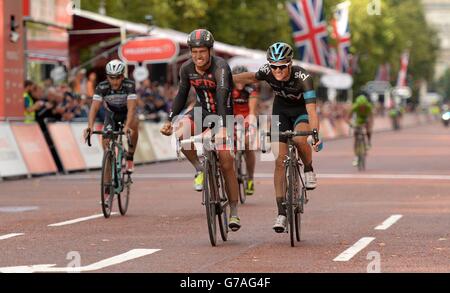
<point x="376" y="39"/>
<point x="249" y="23"/>
<point x="443" y="85"/>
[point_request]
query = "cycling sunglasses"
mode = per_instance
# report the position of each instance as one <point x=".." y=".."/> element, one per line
<point x="281" y="67"/>
<point x="114" y="77"/>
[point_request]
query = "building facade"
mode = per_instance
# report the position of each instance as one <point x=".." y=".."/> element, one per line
<point x="437" y="13"/>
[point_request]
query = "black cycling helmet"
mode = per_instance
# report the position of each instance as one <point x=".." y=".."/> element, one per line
<point x="239" y="69"/>
<point x="200" y="38"/>
<point x="279" y="52"/>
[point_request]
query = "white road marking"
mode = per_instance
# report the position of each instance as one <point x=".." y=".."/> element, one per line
<point x="388" y="222"/>
<point x="78" y="220"/>
<point x="7" y="236"/>
<point x="386" y="176"/>
<point x="270" y="175"/>
<point x="17" y="209"/>
<point x="353" y="250"/>
<point x="132" y="254"/>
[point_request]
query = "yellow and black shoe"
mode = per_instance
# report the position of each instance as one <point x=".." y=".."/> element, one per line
<point x="250" y="188"/>
<point x="234" y="223"/>
<point x="198" y="181"/>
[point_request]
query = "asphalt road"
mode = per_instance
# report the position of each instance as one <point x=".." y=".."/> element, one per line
<point x="394" y="217"/>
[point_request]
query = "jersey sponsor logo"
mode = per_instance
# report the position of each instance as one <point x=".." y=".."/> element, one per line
<point x="203" y="82"/>
<point x="288" y="96"/>
<point x="265" y="68"/>
<point x="301" y="75"/>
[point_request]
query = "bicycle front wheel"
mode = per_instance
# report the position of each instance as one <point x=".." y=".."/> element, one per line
<point x="209" y="189"/>
<point x="223" y="210"/>
<point x="241" y="176"/>
<point x="124" y="197"/>
<point x="290" y="202"/>
<point x="298" y="215"/>
<point x="107" y="186"/>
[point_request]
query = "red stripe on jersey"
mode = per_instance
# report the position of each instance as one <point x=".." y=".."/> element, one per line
<point x="211" y="102"/>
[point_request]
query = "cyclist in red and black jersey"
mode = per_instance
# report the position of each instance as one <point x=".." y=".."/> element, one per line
<point x="212" y="80"/>
<point x="245" y="100"/>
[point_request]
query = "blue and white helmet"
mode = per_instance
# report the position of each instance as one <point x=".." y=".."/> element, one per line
<point x="280" y="52"/>
<point x="115" y="67"/>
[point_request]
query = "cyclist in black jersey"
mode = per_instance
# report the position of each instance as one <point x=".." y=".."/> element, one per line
<point x="118" y="95"/>
<point x="295" y="106"/>
<point x="212" y="80"/>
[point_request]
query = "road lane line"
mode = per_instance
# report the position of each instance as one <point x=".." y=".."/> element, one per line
<point x="159" y="176"/>
<point x="74" y="221"/>
<point x="386" y="176"/>
<point x="388" y="222"/>
<point x="118" y="259"/>
<point x="353" y="250"/>
<point x="7" y="236"/>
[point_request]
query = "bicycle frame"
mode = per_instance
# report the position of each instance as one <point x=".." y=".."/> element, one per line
<point x="295" y="195"/>
<point x="214" y="196"/>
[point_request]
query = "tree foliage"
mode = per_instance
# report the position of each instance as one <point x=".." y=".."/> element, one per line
<point x="376" y="39"/>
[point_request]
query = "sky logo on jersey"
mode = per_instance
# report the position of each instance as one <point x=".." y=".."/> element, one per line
<point x="301" y="75"/>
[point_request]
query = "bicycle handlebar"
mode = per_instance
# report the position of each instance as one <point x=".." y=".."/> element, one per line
<point x="109" y="134"/>
<point x="289" y="134"/>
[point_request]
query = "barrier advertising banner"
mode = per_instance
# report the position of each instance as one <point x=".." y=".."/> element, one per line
<point x="162" y="145"/>
<point x="34" y="148"/>
<point x="11" y="161"/>
<point x="66" y="146"/>
<point x="144" y="151"/>
<point x="93" y="155"/>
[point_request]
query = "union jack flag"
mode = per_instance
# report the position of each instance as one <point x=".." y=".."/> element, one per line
<point x="309" y="30"/>
<point x="341" y="34"/>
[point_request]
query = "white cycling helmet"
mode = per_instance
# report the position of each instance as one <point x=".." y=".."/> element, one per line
<point x="115" y="67"/>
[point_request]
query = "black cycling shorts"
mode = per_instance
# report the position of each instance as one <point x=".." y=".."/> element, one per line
<point x="112" y="119"/>
<point x="289" y="118"/>
<point x="209" y="117"/>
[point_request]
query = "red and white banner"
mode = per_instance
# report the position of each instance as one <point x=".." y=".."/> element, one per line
<point x="341" y="34"/>
<point x="34" y="148"/>
<point x="148" y="50"/>
<point x="11" y="59"/>
<point x="66" y="146"/>
<point x="93" y="155"/>
<point x="401" y="80"/>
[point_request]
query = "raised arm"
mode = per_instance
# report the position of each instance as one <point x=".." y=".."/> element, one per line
<point x="180" y="99"/>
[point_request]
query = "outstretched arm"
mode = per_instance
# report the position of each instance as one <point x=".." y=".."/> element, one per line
<point x="245" y="78"/>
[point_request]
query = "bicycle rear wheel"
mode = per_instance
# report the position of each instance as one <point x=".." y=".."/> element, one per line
<point x="209" y="190"/>
<point x="361" y="147"/>
<point x="223" y="210"/>
<point x="107" y="186"/>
